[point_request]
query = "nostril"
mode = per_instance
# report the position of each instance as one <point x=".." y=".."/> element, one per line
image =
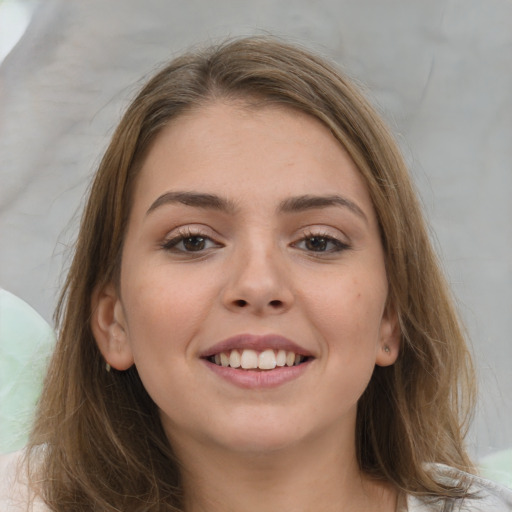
<point x="273" y="304"/>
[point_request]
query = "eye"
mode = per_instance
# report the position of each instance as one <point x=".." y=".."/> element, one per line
<point x="321" y="243"/>
<point x="189" y="242"/>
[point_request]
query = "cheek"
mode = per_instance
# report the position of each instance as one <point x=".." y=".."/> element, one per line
<point x="348" y="317"/>
<point x="162" y="320"/>
<point x="163" y="311"/>
<point x="350" y="309"/>
<point x="350" y="328"/>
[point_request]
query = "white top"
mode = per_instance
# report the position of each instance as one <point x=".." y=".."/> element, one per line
<point x="14" y="491"/>
<point x="489" y="496"/>
<point x="14" y="494"/>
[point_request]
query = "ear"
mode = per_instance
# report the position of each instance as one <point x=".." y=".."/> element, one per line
<point x="109" y="327"/>
<point x="389" y="344"/>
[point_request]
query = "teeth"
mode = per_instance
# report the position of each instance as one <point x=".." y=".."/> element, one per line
<point x="250" y="359"/>
<point x="281" y="358"/>
<point x="267" y="360"/>
<point x="234" y="359"/>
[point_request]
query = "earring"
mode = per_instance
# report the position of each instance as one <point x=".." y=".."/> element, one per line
<point x="387" y="349"/>
<point x="107" y="367"/>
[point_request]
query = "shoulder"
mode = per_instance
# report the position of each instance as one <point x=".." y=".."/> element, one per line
<point x="15" y="495"/>
<point x="486" y="496"/>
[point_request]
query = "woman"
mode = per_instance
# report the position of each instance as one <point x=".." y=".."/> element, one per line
<point x="254" y="318"/>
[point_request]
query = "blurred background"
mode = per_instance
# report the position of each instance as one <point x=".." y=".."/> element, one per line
<point x="440" y="72"/>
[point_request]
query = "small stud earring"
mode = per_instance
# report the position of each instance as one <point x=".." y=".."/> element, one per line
<point x="387" y="349"/>
<point x="107" y="367"/>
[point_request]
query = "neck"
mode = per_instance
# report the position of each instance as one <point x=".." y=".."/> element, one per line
<point x="311" y="477"/>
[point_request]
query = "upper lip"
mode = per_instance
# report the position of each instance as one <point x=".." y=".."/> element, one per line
<point x="255" y="342"/>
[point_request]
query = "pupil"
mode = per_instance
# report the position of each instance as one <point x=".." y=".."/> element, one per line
<point x="316" y="243"/>
<point x="194" y="243"/>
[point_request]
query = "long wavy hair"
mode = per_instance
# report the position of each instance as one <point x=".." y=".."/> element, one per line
<point x="98" y="443"/>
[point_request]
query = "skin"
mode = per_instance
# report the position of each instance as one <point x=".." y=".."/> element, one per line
<point x="313" y="275"/>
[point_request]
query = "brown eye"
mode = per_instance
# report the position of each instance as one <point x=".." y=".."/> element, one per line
<point x="321" y="244"/>
<point x="316" y="243"/>
<point x="188" y="243"/>
<point x="194" y="243"/>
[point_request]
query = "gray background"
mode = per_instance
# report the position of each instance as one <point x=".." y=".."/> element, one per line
<point x="440" y="71"/>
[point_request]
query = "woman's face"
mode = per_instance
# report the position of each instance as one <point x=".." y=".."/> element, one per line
<point x="252" y="241"/>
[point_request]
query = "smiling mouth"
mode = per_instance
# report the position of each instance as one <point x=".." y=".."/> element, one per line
<point x="248" y="359"/>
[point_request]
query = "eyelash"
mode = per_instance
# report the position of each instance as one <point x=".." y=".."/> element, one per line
<point x="182" y="236"/>
<point x="188" y="234"/>
<point x="337" y="244"/>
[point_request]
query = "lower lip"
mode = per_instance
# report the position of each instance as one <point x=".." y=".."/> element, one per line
<point x="259" y="379"/>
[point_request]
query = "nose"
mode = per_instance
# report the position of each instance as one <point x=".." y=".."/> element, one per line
<point x="259" y="283"/>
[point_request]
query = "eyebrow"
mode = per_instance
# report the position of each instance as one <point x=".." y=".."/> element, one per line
<point x="311" y="202"/>
<point x="194" y="199"/>
<point x="289" y="205"/>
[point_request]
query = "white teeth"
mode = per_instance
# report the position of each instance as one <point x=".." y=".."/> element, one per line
<point x="267" y="360"/>
<point x="234" y="359"/>
<point x="250" y="359"/>
<point x="224" y="359"/>
<point x="281" y="358"/>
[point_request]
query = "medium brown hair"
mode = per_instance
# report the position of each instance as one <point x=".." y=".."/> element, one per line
<point x="104" y="446"/>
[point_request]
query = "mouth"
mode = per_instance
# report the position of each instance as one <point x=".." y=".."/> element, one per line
<point x="244" y="355"/>
<point x="251" y="359"/>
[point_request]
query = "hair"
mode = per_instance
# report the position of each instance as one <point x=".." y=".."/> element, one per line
<point x="98" y="437"/>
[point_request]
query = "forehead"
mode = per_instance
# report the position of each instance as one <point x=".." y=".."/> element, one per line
<point x="235" y="148"/>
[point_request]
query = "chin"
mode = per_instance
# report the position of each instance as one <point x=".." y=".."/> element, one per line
<point x="261" y="445"/>
<point x="260" y="437"/>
